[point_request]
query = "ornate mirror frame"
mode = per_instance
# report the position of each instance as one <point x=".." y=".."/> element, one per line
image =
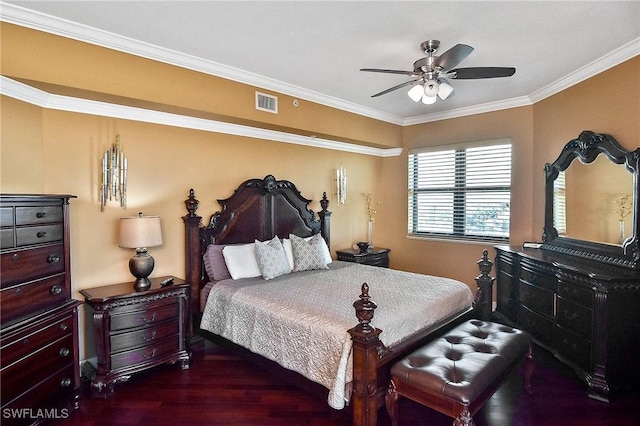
<point x="586" y="148"/>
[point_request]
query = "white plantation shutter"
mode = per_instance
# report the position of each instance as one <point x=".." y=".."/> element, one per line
<point x="461" y="191"/>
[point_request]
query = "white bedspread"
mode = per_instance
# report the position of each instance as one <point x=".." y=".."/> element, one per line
<point x="300" y="320"/>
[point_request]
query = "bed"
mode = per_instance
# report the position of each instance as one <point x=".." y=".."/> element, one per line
<point x="321" y="332"/>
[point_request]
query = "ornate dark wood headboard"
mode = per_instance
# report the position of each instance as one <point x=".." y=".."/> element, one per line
<point x="259" y="209"/>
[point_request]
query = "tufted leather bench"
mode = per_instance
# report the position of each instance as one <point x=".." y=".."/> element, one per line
<point x="456" y="373"/>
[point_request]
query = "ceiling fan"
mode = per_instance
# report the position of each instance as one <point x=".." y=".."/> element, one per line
<point x="430" y="74"/>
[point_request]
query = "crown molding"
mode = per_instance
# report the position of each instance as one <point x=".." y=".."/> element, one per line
<point x="32" y="95"/>
<point x="42" y="22"/>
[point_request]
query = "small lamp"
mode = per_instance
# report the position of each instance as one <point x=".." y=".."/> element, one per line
<point x="140" y="232"/>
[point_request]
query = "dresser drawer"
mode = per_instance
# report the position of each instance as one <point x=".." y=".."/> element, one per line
<point x="574" y="348"/>
<point x="142" y="314"/>
<point x="548" y="282"/>
<point x="23" y="299"/>
<point x="6" y="238"/>
<point x="33" y="338"/>
<point x="537" y="299"/>
<point x="540" y="327"/>
<point x="26" y="265"/>
<point x="145" y="336"/>
<point x="150" y="354"/>
<point x="30" y="235"/>
<point x="38" y="214"/>
<point x="574" y="292"/>
<point x="59" y="386"/>
<point x="574" y="316"/>
<point x="6" y="216"/>
<point x="29" y="371"/>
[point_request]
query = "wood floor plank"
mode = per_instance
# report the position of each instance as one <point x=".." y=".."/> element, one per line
<point x="222" y="388"/>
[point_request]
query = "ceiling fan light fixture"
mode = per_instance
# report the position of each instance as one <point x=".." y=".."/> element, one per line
<point x="445" y="90"/>
<point x="431" y="88"/>
<point x="429" y="100"/>
<point x="416" y="92"/>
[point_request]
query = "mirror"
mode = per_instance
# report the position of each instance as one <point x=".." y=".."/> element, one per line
<point x="591" y="198"/>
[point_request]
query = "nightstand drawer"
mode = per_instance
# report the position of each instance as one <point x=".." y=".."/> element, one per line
<point x="33" y="296"/>
<point x="148" y="354"/>
<point x="26" y="265"/>
<point x="28" y="371"/>
<point x="145" y="315"/>
<point x="145" y="336"/>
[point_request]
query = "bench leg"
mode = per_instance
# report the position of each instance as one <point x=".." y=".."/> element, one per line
<point x="391" y="402"/>
<point x="529" y="366"/>
<point x="464" y="418"/>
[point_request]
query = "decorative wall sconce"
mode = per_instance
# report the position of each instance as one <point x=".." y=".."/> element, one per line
<point x="113" y="185"/>
<point x="341" y="185"/>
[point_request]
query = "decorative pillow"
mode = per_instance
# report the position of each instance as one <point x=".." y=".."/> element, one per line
<point x="214" y="263"/>
<point x="308" y="254"/>
<point x="271" y="258"/>
<point x="241" y="261"/>
<point x="286" y="243"/>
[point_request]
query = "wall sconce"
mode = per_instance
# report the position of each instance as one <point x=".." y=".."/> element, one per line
<point x="113" y="185"/>
<point x="341" y="185"/>
<point x="140" y="232"/>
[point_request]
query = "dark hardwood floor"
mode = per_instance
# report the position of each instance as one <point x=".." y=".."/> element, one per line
<point x="222" y="388"/>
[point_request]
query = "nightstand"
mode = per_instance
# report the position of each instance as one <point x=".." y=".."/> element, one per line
<point x="137" y="330"/>
<point x="376" y="256"/>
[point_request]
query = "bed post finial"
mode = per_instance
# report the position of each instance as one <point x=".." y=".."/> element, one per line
<point x="365" y="308"/>
<point x="325" y="219"/>
<point x="192" y="203"/>
<point x="484" y="294"/>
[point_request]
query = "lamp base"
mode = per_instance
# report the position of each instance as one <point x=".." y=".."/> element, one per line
<point x="141" y="265"/>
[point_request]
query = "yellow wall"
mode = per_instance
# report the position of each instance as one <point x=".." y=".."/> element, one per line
<point x="50" y="151"/>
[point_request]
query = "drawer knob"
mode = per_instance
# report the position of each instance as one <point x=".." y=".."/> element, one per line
<point x="40" y="215"/>
<point x="148" y="320"/>
<point x="570" y="316"/>
<point x="64" y="352"/>
<point x="151" y="355"/>
<point x="41" y="234"/>
<point x="150" y="338"/>
<point x="65" y="383"/>
<point x="54" y="258"/>
<point x="63" y="327"/>
<point x="55" y="290"/>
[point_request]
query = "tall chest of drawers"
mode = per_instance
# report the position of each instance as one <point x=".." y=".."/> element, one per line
<point x="586" y="313"/>
<point x="39" y="370"/>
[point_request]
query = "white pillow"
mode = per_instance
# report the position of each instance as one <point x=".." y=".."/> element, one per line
<point x="308" y="255"/>
<point x="286" y="243"/>
<point x="241" y="261"/>
<point x="272" y="261"/>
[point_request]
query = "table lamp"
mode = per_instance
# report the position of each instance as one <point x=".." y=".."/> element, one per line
<point x="140" y="232"/>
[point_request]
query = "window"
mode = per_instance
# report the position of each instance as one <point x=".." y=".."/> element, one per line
<point x="461" y="191"/>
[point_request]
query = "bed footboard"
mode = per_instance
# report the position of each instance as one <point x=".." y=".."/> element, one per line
<point x="371" y="356"/>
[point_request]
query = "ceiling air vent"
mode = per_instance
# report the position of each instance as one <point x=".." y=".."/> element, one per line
<point x="266" y="103"/>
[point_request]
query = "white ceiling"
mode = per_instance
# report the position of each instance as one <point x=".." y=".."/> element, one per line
<point x="314" y="49"/>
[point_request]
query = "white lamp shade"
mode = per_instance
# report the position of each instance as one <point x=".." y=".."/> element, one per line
<point x="445" y="90"/>
<point x="431" y="89"/>
<point x="140" y="231"/>
<point x="428" y="100"/>
<point x="416" y="92"/>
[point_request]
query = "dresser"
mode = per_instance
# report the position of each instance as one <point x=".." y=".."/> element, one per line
<point x="40" y="374"/>
<point x="137" y="330"/>
<point x="587" y="313"/>
<point x="373" y="257"/>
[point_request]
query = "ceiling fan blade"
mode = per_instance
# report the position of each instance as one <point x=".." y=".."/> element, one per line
<point x="411" y="73"/>
<point x="453" y="56"/>
<point x="399" y="86"/>
<point x="481" y="72"/>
